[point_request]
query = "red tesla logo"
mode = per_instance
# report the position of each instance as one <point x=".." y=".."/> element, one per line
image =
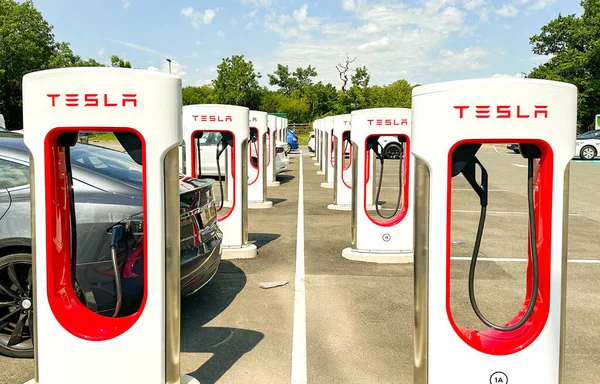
<point x="94" y="99"/>
<point x="504" y="111"/>
<point x="212" y="118"/>
<point x="387" y="122"/>
<point x="347" y="122"/>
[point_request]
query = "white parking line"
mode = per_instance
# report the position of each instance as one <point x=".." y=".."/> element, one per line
<point x="495" y="149"/>
<point x="520" y="165"/>
<point x="299" y="370"/>
<point x="510" y="260"/>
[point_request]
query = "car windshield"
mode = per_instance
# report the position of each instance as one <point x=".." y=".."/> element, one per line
<point x="114" y="164"/>
<point x="587" y="135"/>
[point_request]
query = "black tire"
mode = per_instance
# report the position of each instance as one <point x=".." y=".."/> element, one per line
<point x="588" y="152"/>
<point x="392" y="151"/>
<point x="288" y="148"/>
<point x="18" y="300"/>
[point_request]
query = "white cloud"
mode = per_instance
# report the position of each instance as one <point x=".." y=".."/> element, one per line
<point x="257" y="3"/>
<point x="176" y="68"/>
<point x="126" y="4"/>
<point x="277" y="23"/>
<point x="233" y="21"/>
<point x="252" y="13"/>
<point x="249" y="26"/>
<point x="472" y="4"/>
<point x="467" y="58"/>
<point x="436" y="5"/>
<point x="348" y="5"/>
<point x="220" y="34"/>
<point x="507" y="76"/>
<point x="540" y="4"/>
<point x="376" y="45"/>
<point x="305" y="23"/>
<point x="199" y="17"/>
<point x="198" y="43"/>
<point x="100" y="52"/>
<point x="507" y="10"/>
<point x="139" y="47"/>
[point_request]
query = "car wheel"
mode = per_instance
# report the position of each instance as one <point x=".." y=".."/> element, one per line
<point x="392" y="151"/>
<point x="16" y="305"/>
<point x="588" y="153"/>
<point x="288" y="148"/>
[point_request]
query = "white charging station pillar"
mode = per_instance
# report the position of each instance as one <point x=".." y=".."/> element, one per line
<point x="272" y="149"/>
<point x="377" y="238"/>
<point x="146" y="107"/>
<point x="318" y="149"/>
<point x="279" y="128"/>
<point x="314" y="132"/>
<point x="324" y="160"/>
<point x="232" y="122"/>
<point x="486" y="111"/>
<point x="342" y="185"/>
<point x="329" y="153"/>
<point x="257" y="162"/>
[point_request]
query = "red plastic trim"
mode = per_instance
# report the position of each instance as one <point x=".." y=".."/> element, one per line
<point x="257" y="154"/>
<point x="332" y="150"/>
<point x="193" y="158"/>
<point x="269" y="147"/>
<point x="501" y="343"/>
<point x="404" y="209"/>
<point x="73" y="315"/>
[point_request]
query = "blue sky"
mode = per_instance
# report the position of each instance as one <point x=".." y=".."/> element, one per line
<point x="422" y="41"/>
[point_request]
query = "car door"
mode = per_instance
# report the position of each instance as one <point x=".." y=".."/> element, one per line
<point x="12" y="175"/>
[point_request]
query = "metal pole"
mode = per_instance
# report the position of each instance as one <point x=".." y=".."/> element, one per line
<point x="169" y="60"/>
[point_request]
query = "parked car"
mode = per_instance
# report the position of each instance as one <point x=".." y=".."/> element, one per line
<point x="107" y="187"/>
<point x="391" y="147"/>
<point x="311" y="142"/>
<point x="587" y="145"/>
<point x="292" y="142"/>
<point x="208" y="155"/>
<point x="513" y="147"/>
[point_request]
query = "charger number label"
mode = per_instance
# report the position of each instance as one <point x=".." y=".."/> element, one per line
<point x="498" y="378"/>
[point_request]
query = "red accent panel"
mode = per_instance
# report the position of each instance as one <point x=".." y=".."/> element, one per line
<point x="74" y="316"/>
<point x="232" y="162"/>
<point x="499" y="342"/>
<point x="404" y="209"/>
<point x="257" y="155"/>
<point x="332" y="150"/>
<point x="269" y="147"/>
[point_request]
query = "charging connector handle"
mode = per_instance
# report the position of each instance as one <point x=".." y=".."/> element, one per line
<point x="116" y="236"/>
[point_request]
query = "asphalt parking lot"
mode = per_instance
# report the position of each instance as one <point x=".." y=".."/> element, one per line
<point x="359" y="316"/>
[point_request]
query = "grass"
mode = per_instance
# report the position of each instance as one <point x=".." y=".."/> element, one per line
<point x="104" y="136"/>
<point x="303" y="138"/>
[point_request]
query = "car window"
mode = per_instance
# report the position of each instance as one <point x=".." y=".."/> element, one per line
<point x="588" y="135"/>
<point x="114" y="164"/>
<point x="13" y="174"/>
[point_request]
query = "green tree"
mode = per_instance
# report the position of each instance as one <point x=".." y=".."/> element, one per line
<point x="573" y="42"/>
<point x="237" y="83"/>
<point x="26" y="45"/>
<point x="204" y="94"/>
<point x="116" y="61"/>
<point x="282" y="78"/>
<point x="63" y="57"/>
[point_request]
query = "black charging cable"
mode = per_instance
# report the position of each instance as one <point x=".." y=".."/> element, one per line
<point x="468" y="172"/>
<point x="373" y="144"/>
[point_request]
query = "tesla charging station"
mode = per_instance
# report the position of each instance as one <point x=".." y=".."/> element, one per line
<point x="324" y="143"/>
<point x="327" y="165"/>
<point x="257" y="159"/>
<point x="318" y="149"/>
<point x="231" y="123"/>
<point x="271" y="151"/>
<point x="540" y="116"/>
<point x="342" y="184"/>
<point x="314" y="128"/>
<point x="135" y="105"/>
<point x="378" y="235"/>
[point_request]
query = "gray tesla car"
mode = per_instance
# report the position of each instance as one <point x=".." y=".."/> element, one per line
<point x="107" y="193"/>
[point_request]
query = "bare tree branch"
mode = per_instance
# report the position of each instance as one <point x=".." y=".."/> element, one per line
<point x="343" y="69"/>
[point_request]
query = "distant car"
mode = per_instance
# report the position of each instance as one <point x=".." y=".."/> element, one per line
<point x="391" y="147"/>
<point x="107" y="187"/>
<point x="208" y="155"/>
<point x="311" y="142"/>
<point x="514" y="148"/>
<point x="292" y="142"/>
<point x="587" y="145"/>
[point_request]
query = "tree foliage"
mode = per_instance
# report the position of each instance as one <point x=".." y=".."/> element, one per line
<point x="573" y="42"/>
<point x="237" y="83"/>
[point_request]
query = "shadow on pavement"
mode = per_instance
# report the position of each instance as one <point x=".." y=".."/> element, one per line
<point x="276" y="201"/>
<point x="227" y="345"/>
<point x="285" y="178"/>
<point x="261" y="239"/>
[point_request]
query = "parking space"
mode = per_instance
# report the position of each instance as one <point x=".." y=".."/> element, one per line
<point x="359" y="316"/>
